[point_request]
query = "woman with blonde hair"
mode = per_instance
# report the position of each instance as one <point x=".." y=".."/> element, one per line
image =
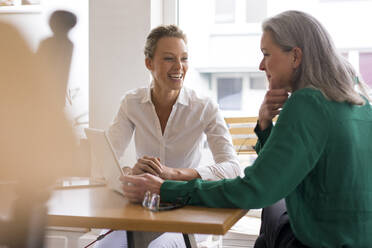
<point x="169" y="123"/>
<point x="317" y="156"/>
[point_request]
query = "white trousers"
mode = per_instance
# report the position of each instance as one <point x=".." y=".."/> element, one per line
<point x="118" y="239"/>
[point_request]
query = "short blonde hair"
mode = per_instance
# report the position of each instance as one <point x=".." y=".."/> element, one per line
<point x="160" y="32"/>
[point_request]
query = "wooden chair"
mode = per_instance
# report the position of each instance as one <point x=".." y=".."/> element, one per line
<point x="242" y="132"/>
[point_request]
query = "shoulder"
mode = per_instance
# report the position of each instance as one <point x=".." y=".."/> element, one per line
<point x="197" y="99"/>
<point x="307" y="95"/>
<point x="309" y="92"/>
<point x="135" y="95"/>
<point x="304" y="104"/>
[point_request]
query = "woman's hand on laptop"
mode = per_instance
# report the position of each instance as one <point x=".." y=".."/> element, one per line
<point x="153" y="166"/>
<point x="135" y="187"/>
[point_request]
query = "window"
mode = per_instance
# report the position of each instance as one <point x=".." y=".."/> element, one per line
<point x="224" y="11"/>
<point x="256" y="10"/>
<point x="257" y="82"/>
<point x="362" y="62"/>
<point x="224" y="53"/>
<point x="224" y="44"/>
<point x="229" y="93"/>
<point x="345" y="54"/>
<point x="238" y="93"/>
<point x="365" y="67"/>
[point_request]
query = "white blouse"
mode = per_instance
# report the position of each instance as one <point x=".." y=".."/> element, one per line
<point x="181" y="146"/>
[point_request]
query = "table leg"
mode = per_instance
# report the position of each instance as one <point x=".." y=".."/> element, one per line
<point x="130" y="239"/>
<point x="189" y="240"/>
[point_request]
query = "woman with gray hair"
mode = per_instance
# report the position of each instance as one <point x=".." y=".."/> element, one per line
<point x="316" y="157"/>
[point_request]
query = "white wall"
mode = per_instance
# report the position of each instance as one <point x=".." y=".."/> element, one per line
<point x="117" y="35"/>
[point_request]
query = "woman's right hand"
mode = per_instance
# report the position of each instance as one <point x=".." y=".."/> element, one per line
<point x="134" y="187"/>
<point x="270" y="107"/>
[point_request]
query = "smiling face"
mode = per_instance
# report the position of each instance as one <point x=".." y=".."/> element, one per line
<point x="169" y="63"/>
<point x="279" y="65"/>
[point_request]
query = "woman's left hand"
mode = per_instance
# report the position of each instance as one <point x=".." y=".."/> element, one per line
<point x="135" y="187"/>
<point x="153" y="166"/>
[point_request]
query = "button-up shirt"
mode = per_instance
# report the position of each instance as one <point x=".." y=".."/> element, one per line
<point x="180" y="146"/>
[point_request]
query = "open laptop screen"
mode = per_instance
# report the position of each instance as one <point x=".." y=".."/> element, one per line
<point x="103" y="156"/>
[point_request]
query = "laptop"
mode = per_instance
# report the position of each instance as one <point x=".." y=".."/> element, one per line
<point x="103" y="155"/>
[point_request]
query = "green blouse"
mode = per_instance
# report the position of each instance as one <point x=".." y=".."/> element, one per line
<point x="318" y="157"/>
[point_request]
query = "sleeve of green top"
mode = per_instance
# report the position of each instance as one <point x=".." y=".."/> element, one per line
<point x="290" y="153"/>
<point x="262" y="137"/>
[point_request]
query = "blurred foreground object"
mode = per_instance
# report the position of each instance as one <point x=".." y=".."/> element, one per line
<point x="55" y="52"/>
<point x="37" y="143"/>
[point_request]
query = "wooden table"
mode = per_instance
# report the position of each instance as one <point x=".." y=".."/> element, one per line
<point x="99" y="207"/>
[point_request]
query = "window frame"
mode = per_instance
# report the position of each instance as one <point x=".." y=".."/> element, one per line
<point x="216" y="76"/>
<point x="353" y="57"/>
<point x="245" y="86"/>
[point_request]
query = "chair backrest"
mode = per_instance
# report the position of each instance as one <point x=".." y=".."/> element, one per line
<point x="242" y="132"/>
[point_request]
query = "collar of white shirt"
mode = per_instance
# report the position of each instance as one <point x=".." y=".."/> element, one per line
<point x="182" y="97"/>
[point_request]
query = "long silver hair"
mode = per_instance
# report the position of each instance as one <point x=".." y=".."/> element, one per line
<point x="322" y="66"/>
